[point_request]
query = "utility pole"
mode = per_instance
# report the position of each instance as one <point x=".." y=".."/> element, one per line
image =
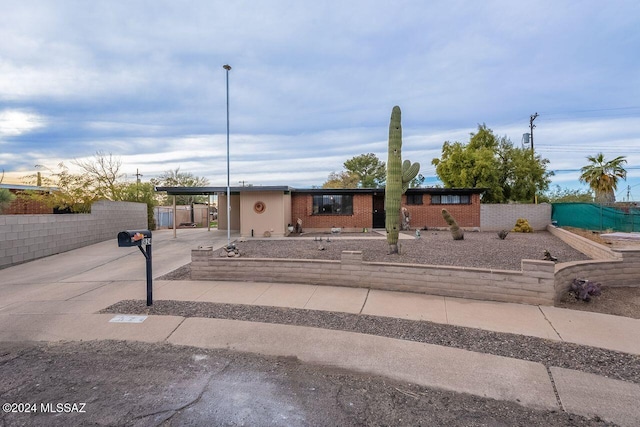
<point x="531" y="126"/>
<point x="533" y="154"/>
<point x="138" y="175"/>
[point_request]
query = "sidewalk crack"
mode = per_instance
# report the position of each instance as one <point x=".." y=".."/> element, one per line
<point x="555" y="389"/>
<point x="365" y="301"/>
<point x="550" y="324"/>
<point x="174" y="329"/>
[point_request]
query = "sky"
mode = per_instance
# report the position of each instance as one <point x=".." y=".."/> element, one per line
<point x="313" y="83"/>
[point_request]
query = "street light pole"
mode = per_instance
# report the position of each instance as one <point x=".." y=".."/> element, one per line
<point x="227" y="68"/>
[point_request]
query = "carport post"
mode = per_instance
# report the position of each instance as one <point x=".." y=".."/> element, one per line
<point x="174" y="216"/>
<point x="209" y="212"/>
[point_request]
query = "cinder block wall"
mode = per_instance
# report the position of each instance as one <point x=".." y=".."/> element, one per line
<point x="534" y="284"/>
<point x="496" y="217"/>
<point x="27" y="237"/>
<point x="611" y="266"/>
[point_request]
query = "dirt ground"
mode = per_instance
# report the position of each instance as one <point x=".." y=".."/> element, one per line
<point x="139" y="384"/>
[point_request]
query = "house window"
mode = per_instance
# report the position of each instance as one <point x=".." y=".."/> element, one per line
<point x="450" y="199"/>
<point x="414" y="199"/>
<point x="333" y="204"/>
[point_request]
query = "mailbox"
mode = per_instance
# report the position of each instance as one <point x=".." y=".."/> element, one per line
<point x="140" y="238"/>
<point x="134" y="238"/>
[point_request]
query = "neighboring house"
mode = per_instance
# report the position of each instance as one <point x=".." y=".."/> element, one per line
<point x="25" y="205"/>
<point x="260" y="211"/>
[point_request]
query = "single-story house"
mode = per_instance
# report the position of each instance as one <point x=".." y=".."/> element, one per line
<point x="26" y="205"/>
<point x="269" y="210"/>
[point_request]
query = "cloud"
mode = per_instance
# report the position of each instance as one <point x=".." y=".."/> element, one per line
<point x="18" y="122"/>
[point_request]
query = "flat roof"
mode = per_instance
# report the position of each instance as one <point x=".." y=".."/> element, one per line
<point x="178" y="191"/>
<point x="22" y="187"/>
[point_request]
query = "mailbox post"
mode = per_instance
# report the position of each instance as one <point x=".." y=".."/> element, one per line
<point x="129" y="238"/>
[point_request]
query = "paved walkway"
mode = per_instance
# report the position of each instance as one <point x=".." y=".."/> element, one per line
<point x="56" y="298"/>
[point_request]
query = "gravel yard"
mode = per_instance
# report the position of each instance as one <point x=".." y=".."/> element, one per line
<point x="478" y="249"/>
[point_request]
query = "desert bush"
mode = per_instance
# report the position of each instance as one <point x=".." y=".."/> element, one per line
<point x="522" y="226"/>
<point x="584" y="289"/>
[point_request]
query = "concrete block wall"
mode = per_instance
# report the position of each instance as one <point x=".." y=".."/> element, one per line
<point x="496" y="217"/>
<point x="534" y="284"/>
<point x="610" y="266"/>
<point x="27" y="237"/>
<point x="588" y="247"/>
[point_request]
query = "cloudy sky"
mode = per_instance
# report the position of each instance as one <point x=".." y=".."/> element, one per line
<point x="313" y="83"/>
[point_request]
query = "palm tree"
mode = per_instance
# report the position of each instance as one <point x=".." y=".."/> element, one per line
<point x="602" y="176"/>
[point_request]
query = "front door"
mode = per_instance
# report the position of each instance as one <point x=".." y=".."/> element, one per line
<point x="378" y="210"/>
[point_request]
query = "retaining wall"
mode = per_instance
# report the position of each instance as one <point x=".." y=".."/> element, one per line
<point x="611" y="267"/>
<point x="496" y="217"/>
<point x="538" y="282"/>
<point x="27" y="237"/>
<point x="534" y="284"/>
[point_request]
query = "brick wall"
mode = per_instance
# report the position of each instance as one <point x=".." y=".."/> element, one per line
<point x="27" y="237"/>
<point x="534" y="284"/>
<point x="302" y="207"/>
<point x="22" y="205"/>
<point x="467" y="216"/>
<point x="428" y="215"/>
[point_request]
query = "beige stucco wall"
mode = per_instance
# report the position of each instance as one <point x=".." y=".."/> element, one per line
<point x="222" y="212"/>
<point x="272" y="220"/>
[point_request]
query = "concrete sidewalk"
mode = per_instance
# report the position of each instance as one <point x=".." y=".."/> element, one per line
<point x="56" y="298"/>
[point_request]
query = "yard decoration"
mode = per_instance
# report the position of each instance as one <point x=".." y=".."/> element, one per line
<point x="456" y="231"/>
<point x="399" y="175"/>
<point x="522" y="226"/>
<point x="502" y="234"/>
<point x="549" y="257"/>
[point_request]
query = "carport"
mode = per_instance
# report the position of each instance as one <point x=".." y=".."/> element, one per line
<point x="254" y="210"/>
<point x="190" y="191"/>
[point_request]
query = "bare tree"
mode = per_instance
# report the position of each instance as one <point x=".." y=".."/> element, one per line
<point x="102" y="174"/>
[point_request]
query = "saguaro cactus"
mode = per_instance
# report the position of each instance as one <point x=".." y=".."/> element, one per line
<point x="399" y="175"/>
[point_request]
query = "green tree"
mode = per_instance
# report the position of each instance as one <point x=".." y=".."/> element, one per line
<point x="567" y="195"/>
<point x="6" y="196"/>
<point x="486" y="161"/>
<point x="141" y="192"/>
<point x="175" y="178"/>
<point x="342" y="180"/>
<point x="68" y="191"/>
<point x="602" y="176"/>
<point x="370" y="170"/>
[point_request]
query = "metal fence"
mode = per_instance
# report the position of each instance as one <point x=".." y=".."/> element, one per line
<point x="623" y="217"/>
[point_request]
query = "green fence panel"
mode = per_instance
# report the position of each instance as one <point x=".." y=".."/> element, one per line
<point x="593" y="216"/>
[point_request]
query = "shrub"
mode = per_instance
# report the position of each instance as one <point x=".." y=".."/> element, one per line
<point x="584" y="289"/>
<point x="522" y="226"/>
